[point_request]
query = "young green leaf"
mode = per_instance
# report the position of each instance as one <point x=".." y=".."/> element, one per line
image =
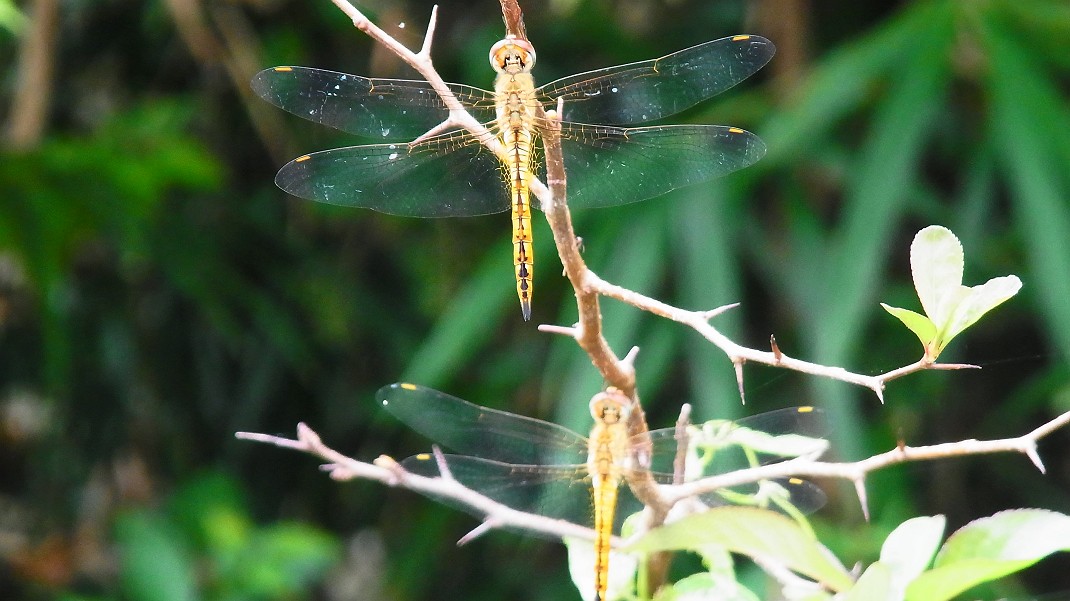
<point x="753" y="532"/>
<point x="875" y="584"/>
<point x="698" y="587"/>
<point x="991" y="548"/>
<point x="936" y="264"/>
<point x="910" y="548"/>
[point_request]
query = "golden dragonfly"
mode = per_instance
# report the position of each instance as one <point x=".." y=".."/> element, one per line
<point x="454" y="174"/>
<point x="539" y="467"/>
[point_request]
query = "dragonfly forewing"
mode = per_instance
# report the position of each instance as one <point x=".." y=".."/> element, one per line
<point x="467" y="428"/>
<point x="386" y="109"/>
<point x="653" y="89"/>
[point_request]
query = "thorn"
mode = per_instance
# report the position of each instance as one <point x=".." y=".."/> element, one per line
<point x="571" y="332"/>
<point x="487" y="525"/>
<point x="951" y="366"/>
<point x="1031" y="452"/>
<point x="629" y="359"/>
<point x="776" y="349"/>
<point x="308" y="435"/>
<point x="440" y="461"/>
<point x="860" y="491"/>
<point x="879" y="390"/>
<point x="738" y="364"/>
<point x="708" y="315"/>
<point x="425" y="49"/>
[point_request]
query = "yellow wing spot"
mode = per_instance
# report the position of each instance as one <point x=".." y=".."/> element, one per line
<point x="806" y="409"/>
<point x="423" y="457"/>
<point x="407" y="386"/>
<point x="283" y="69"/>
<point x="740" y="38"/>
<point x="795" y="481"/>
<point x="734" y="130"/>
<point x="302" y="158"/>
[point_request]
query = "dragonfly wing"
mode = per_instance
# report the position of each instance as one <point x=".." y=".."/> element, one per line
<point x="802" y="495"/>
<point x="467" y="428"/>
<point x="445" y="176"/>
<point x="654" y="89"/>
<point x="723" y="446"/>
<point x="609" y="166"/>
<point x="389" y="109"/>
<point x="557" y="492"/>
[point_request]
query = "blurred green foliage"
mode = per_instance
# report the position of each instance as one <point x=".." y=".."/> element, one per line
<point x="157" y="292"/>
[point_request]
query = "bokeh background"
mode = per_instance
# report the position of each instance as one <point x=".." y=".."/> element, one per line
<point x="158" y="293"/>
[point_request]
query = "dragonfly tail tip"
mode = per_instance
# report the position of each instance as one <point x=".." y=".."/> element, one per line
<point x="525" y="308"/>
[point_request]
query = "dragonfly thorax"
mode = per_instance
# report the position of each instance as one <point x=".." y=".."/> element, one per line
<point x="512" y="55"/>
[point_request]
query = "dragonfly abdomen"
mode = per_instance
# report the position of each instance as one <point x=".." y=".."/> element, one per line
<point x="516" y="124"/>
<point x="605" y="508"/>
<point x="518" y="142"/>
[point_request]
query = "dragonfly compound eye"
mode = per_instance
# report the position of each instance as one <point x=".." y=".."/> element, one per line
<point x="512" y="54"/>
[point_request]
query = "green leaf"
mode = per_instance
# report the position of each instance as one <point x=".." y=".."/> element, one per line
<point x="283" y="559"/>
<point x="910" y="548"/>
<point x="980" y="300"/>
<point x="875" y="584"/>
<point x="922" y="326"/>
<point x="991" y="548"/>
<point x="698" y="587"/>
<point x="753" y="532"/>
<point x="10" y="17"/>
<point x="154" y="562"/>
<point x="936" y="264"/>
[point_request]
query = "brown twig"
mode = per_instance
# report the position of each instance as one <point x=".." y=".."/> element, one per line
<point x="33" y="90"/>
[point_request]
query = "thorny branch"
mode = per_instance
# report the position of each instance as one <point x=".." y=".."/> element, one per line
<point x="619" y="372"/>
<point x="389" y="472"/>
<point x="588" y="286"/>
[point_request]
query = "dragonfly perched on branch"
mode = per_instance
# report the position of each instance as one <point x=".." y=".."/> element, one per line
<point x="546" y="469"/>
<point x="456" y="174"/>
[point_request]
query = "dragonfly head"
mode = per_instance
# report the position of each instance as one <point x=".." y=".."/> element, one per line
<point x="512" y="55"/>
<point x="610" y="406"/>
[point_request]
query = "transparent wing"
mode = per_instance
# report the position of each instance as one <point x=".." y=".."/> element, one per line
<point x="722" y="446"/>
<point x="653" y="89"/>
<point x="454" y="175"/>
<point x="445" y="176"/>
<point x="559" y="492"/>
<point x="609" y="166"/>
<point x="467" y="428"/>
<point x="388" y="109"/>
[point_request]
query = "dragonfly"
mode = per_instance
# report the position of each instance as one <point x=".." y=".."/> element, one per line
<point x="455" y="174"/>
<point x="543" y="468"/>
